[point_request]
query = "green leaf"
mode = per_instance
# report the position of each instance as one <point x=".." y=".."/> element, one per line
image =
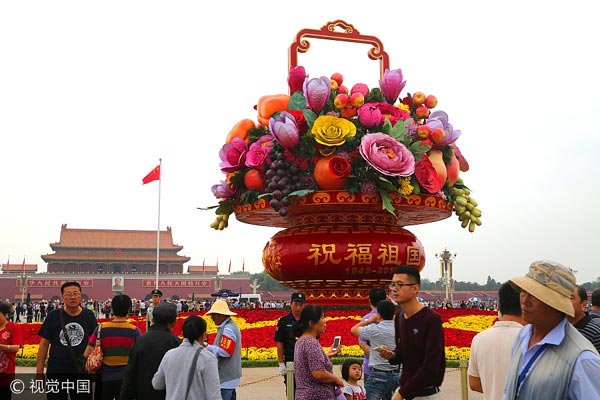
<point x="385" y="184"/>
<point x="418" y="149"/>
<point x="310" y="117"/>
<point x="386" y="201"/>
<point x="302" y="192"/>
<point x="387" y="126"/>
<point x="297" y="101"/>
<point x="415" y="184"/>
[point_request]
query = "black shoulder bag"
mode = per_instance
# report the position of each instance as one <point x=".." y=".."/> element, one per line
<point x="79" y="364"/>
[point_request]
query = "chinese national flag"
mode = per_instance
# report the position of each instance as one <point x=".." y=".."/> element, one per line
<point x="154" y="175"/>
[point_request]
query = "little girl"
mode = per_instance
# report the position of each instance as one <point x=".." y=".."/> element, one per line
<point x="352" y="372"/>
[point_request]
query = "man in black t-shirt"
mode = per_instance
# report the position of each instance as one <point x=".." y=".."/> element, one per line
<point x="284" y="339"/>
<point x="66" y="331"/>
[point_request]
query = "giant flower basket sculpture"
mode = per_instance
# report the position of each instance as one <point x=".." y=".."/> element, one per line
<point x="343" y="170"/>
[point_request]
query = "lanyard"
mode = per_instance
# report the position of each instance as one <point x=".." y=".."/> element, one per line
<point x="523" y="373"/>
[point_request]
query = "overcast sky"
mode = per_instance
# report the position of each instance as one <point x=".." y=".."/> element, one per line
<point x="92" y="94"/>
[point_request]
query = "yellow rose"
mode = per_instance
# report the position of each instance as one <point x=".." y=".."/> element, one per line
<point x="332" y="131"/>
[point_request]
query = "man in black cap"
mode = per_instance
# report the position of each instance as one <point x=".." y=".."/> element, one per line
<point x="284" y="339"/>
<point x="156" y="296"/>
<point x="146" y="354"/>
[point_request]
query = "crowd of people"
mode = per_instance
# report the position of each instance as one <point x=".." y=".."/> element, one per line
<point x="544" y="346"/>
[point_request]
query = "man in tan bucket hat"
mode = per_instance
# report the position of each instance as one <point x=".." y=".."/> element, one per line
<point x="227" y="347"/>
<point x="550" y="358"/>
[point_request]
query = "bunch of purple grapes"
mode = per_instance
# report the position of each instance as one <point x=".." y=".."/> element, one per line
<point x="282" y="179"/>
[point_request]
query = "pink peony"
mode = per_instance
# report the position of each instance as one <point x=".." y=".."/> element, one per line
<point x="369" y="115"/>
<point x="233" y="155"/>
<point x="387" y="155"/>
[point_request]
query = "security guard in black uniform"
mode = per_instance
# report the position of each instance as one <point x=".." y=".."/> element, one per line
<point x="284" y="339"/>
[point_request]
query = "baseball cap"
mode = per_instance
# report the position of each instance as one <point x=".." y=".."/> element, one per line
<point x="300" y="297"/>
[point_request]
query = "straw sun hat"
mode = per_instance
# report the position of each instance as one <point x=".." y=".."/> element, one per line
<point x="220" y="307"/>
<point x="549" y="282"/>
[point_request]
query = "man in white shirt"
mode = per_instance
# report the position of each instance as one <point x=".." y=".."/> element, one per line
<point x="491" y="349"/>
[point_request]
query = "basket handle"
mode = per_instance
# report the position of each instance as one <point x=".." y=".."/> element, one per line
<point x="349" y="34"/>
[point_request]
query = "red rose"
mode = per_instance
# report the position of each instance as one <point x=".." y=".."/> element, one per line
<point x="427" y="176"/>
<point x="339" y="167"/>
<point x="300" y="121"/>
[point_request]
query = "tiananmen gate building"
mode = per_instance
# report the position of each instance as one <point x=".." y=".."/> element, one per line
<point x="106" y="262"/>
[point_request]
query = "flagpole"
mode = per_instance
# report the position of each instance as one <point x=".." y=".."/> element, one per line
<point x="158" y="226"/>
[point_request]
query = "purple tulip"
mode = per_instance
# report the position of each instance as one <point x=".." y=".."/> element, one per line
<point x="392" y="85"/>
<point x="259" y="151"/>
<point x="222" y="190"/>
<point x="317" y="92"/>
<point x="296" y="79"/>
<point x="284" y="129"/>
<point x="387" y="155"/>
<point x="439" y="119"/>
<point x="369" y="115"/>
<point x="233" y="155"/>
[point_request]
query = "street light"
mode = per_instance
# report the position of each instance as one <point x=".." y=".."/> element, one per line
<point x="446" y="259"/>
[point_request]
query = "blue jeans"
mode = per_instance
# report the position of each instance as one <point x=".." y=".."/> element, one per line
<point x="228" y="394"/>
<point x="380" y="385"/>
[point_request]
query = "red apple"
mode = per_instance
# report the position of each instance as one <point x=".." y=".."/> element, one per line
<point x="427" y="142"/>
<point x="341" y="101"/>
<point x="423" y="131"/>
<point x="422" y="112"/>
<point x="338" y="78"/>
<point x="436" y="158"/>
<point x="418" y="98"/>
<point x="342" y="89"/>
<point x="430" y="101"/>
<point x="334" y="84"/>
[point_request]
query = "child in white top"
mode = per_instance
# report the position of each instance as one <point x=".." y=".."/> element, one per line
<point x="352" y="372"/>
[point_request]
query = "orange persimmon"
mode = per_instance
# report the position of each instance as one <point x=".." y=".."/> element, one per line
<point x="268" y="105"/>
<point x="240" y="130"/>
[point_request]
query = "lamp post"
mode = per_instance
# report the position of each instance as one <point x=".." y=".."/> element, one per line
<point x="446" y="259"/>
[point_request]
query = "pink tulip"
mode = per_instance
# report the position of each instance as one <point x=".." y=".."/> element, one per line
<point x="284" y="129"/>
<point x="392" y="85"/>
<point x="317" y="92"/>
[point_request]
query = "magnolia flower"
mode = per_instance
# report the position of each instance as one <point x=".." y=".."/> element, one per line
<point x="296" y="79"/>
<point x="317" y="92"/>
<point x="259" y="151"/>
<point x="284" y="129"/>
<point x="222" y="190"/>
<point x="392" y="84"/>
<point x="387" y="155"/>
<point x="439" y="119"/>
<point x="332" y="131"/>
<point x="233" y="155"/>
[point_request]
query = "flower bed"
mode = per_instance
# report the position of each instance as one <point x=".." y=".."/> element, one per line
<point x="258" y="329"/>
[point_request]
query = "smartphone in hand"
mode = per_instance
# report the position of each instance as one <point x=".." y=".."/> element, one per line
<point x="336" y="342"/>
